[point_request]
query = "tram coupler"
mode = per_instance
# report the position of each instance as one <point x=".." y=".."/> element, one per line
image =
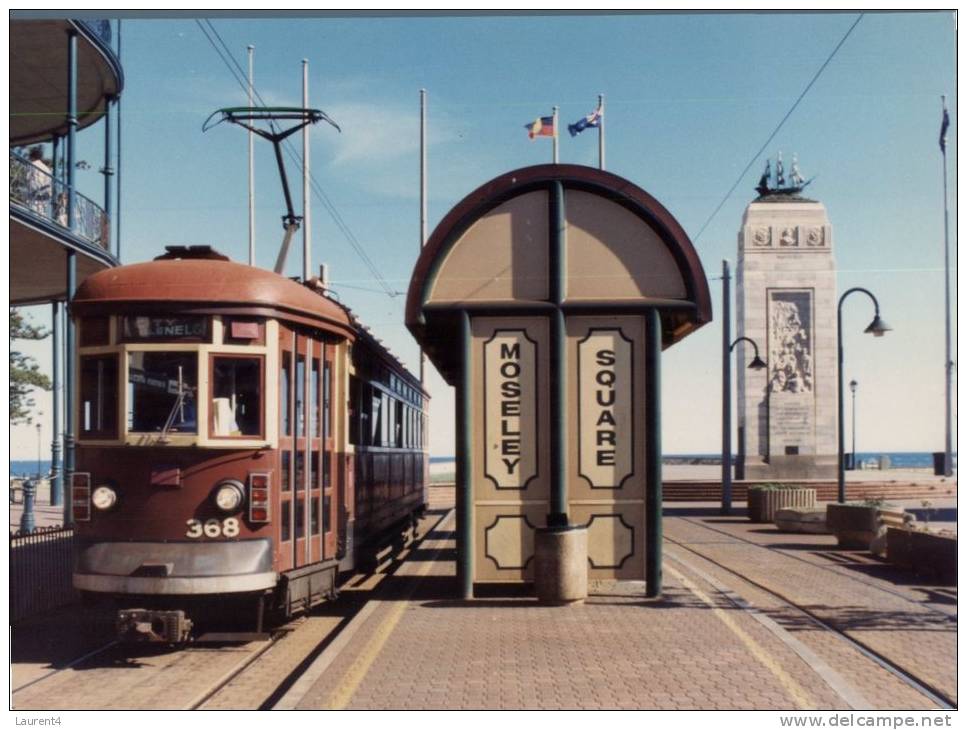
<point x="139" y="625"/>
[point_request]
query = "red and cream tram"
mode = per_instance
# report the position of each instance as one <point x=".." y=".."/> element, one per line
<point x="239" y="436"/>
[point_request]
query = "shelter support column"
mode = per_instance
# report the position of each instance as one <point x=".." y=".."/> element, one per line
<point x="557" y="516"/>
<point x="653" y="531"/>
<point x="464" y="497"/>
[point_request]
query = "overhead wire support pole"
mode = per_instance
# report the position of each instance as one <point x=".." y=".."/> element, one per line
<point x="554" y="138"/>
<point x="251" y="163"/>
<point x="726" y="390"/>
<point x="601" y="132"/>
<point x="306" y="204"/>
<point x="422" y="206"/>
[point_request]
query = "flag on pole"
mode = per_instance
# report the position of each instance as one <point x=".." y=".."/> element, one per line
<point x="541" y="127"/>
<point x="943" y="131"/>
<point x="591" y="120"/>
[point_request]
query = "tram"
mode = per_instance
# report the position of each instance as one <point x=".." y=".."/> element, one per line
<point x="241" y="440"/>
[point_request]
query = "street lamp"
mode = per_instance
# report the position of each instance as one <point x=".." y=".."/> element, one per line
<point x="877" y="328"/>
<point x="756" y="364"/>
<point x="852" y="390"/>
<point x="38" y="446"/>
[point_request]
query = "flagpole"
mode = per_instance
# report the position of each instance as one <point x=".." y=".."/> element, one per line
<point x="555" y="134"/>
<point x="422" y="206"/>
<point x="306" y="221"/>
<point x="948" y="364"/>
<point x="251" y="170"/>
<point x="601" y="132"/>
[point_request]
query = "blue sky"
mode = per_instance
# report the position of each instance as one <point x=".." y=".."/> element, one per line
<point x="690" y="99"/>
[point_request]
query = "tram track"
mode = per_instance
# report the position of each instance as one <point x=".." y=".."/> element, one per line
<point x="307" y="645"/>
<point x="70" y="665"/>
<point x="924" y="687"/>
<point x="92" y="681"/>
<point x="832" y="568"/>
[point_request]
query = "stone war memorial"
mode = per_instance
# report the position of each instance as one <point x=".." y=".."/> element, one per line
<point x="545" y="298"/>
<point x="786" y="303"/>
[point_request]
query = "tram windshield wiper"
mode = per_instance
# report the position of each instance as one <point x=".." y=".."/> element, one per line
<point x="177" y="410"/>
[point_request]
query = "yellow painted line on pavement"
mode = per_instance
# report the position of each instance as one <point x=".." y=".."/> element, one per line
<point x="799" y="695"/>
<point x="341" y="696"/>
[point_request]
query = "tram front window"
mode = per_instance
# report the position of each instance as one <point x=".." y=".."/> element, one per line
<point x="236" y="400"/>
<point x="162" y="392"/>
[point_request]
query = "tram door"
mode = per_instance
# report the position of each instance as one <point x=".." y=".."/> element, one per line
<point x="287" y="450"/>
<point x="330" y="507"/>
<point x="300" y="445"/>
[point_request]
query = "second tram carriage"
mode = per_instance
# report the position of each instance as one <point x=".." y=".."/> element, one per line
<point x="239" y="436"/>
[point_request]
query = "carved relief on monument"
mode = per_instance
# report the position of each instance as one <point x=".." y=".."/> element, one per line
<point x="790" y="342"/>
<point x="815" y="236"/>
<point x="789" y="237"/>
<point x="762" y="236"/>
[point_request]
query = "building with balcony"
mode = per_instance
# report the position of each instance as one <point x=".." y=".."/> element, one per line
<point x="65" y="84"/>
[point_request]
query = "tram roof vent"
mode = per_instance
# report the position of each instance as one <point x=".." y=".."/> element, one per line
<point x="191" y="252"/>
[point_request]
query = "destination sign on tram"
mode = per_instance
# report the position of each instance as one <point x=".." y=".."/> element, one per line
<point x="166" y="328"/>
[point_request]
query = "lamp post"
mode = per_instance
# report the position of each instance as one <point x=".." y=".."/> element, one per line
<point x="38" y="447"/>
<point x="756" y="364"/>
<point x="877" y="328"/>
<point x="852" y="390"/>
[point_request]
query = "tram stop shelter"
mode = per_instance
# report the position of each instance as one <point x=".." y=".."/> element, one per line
<point x="545" y="297"/>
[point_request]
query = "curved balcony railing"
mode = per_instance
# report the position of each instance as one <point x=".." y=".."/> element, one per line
<point x="33" y="187"/>
<point x="100" y="28"/>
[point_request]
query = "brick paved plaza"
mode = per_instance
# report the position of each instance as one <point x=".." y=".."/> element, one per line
<point x="714" y="640"/>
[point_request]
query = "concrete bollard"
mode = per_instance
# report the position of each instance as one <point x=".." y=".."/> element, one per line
<point x="561" y="564"/>
<point x="27" y="523"/>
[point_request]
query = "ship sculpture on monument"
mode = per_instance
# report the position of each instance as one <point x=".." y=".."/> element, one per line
<point x="796" y="181"/>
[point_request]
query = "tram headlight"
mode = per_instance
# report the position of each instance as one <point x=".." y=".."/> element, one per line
<point x="104" y="498"/>
<point x="228" y="495"/>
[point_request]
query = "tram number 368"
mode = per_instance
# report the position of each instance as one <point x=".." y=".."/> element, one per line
<point x="212" y="528"/>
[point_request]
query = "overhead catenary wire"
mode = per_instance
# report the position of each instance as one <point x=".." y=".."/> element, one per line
<point x="238" y="74"/>
<point x="779" y="126"/>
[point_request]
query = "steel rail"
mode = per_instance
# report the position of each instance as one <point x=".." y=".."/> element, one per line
<point x="933" y="693"/>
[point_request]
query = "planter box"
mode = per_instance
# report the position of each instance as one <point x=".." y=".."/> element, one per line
<point x="810" y="520"/>
<point x="926" y="554"/>
<point x="764" y="503"/>
<point x="855" y="525"/>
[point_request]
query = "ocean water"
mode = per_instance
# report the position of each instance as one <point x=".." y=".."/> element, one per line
<point x="898" y="460"/>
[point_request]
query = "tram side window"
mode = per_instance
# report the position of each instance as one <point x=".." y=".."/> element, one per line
<point x="99" y="396"/>
<point x="162" y="392"/>
<point x="376" y="419"/>
<point x="314" y="398"/>
<point x="355" y="411"/>
<point x="300" y="395"/>
<point x="384" y="431"/>
<point x="284" y="381"/>
<point x="326" y="400"/>
<point x="300" y="518"/>
<point x="286" y="521"/>
<point x="314" y="517"/>
<point x="236" y="396"/>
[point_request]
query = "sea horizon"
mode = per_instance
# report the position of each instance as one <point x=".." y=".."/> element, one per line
<point x="898" y="460"/>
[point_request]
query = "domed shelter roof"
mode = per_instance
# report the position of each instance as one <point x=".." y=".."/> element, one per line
<point x="550" y="236"/>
